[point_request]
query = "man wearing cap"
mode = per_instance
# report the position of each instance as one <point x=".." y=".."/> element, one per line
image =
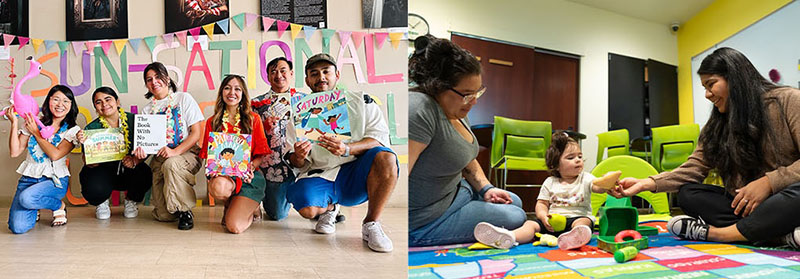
<point x="334" y="172"/>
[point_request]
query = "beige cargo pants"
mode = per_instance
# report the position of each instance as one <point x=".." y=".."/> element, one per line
<point x="173" y="182"/>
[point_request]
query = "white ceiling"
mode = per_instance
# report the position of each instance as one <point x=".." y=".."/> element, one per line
<point x="659" y="11"/>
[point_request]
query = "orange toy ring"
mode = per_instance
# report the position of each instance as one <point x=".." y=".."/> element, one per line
<point x="620" y="237"/>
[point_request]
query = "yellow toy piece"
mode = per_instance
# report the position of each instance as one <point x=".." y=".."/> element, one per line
<point x="608" y="181"/>
<point x="546" y="239"/>
<point x="479" y="246"/>
<point x="558" y="222"/>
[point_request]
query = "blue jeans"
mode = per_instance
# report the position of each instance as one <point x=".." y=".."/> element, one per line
<point x="457" y="223"/>
<point x="34" y="194"/>
<point x="275" y="203"/>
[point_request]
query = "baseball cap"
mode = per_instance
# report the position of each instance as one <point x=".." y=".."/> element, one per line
<point x="319" y="58"/>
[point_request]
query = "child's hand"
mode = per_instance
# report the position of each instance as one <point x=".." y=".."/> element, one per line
<point x="546" y="222"/>
<point x="81" y="137"/>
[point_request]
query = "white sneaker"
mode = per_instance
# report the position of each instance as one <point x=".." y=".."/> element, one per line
<point x="494" y="236"/>
<point x="102" y="211"/>
<point x="376" y="239"/>
<point x="575" y="238"/>
<point x="131" y="209"/>
<point x="793" y="239"/>
<point x="327" y="220"/>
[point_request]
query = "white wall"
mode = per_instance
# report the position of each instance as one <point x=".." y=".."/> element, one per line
<point x="146" y="18"/>
<point x="563" y="26"/>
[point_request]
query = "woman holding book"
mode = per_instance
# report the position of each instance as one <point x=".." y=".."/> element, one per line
<point x="176" y="164"/>
<point x="241" y="195"/>
<point x="129" y="174"/>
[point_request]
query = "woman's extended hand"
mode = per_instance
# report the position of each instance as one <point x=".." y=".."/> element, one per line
<point x="630" y="186"/>
<point x="751" y="196"/>
<point x="496" y="195"/>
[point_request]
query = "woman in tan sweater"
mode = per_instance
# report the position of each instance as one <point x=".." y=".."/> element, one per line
<point x="752" y="139"/>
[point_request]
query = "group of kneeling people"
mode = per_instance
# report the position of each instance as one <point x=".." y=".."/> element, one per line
<point x="284" y="172"/>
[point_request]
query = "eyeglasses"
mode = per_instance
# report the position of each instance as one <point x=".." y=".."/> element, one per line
<point x="470" y="97"/>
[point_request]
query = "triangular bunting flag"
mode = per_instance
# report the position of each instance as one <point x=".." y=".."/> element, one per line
<point x="309" y="31"/>
<point x="181" y="36"/>
<point x="36" y="44"/>
<point x="282" y="25"/>
<point x="135" y="44"/>
<point x="48" y="44"/>
<point x="7" y="39"/>
<point x="168" y="38"/>
<point x="326" y="36"/>
<point x="209" y="28"/>
<point x="223" y="24"/>
<point x="105" y="45"/>
<point x="22" y="41"/>
<point x="63" y="46"/>
<point x="267" y="22"/>
<point x="344" y="37"/>
<point x="380" y="38"/>
<point x="296" y="28"/>
<point x="150" y="42"/>
<point x="120" y="45"/>
<point x="90" y="46"/>
<point x="76" y="46"/>
<point x="239" y="20"/>
<point x="395" y="39"/>
<point x="358" y="37"/>
<point x="195" y="32"/>
<point x="249" y="19"/>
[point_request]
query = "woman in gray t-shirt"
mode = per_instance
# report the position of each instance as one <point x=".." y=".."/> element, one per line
<point x="443" y="207"/>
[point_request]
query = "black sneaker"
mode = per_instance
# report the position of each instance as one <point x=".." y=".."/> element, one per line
<point x="185" y="220"/>
<point x="688" y="227"/>
<point x="793" y="239"/>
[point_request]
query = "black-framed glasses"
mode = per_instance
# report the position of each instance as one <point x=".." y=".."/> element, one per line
<point x="470" y="97"/>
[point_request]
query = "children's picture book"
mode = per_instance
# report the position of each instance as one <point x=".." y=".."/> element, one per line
<point x="151" y="132"/>
<point x="104" y="145"/>
<point x="281" y="106"/>
<point x="228" y="154"/>
<point x="321" y="113"/>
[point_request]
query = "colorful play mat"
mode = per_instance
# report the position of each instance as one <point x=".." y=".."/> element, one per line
<point x="667" y="257"/>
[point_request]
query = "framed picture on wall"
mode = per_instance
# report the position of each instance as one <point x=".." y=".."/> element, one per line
<point x="97" y="19"/>
<point x="303" y="12"/>
<point x="14" y="18"/>
<point x="186" y="14"/>
<point x="384" y="13"/>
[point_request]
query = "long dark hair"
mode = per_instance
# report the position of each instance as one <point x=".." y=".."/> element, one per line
<point x="733" y="141"/>
<point x="552" y="157"/>
<point x="47" y="115"/>
<point x="162" y="74"/>
<point x="439" y="64"/>
<point x="245" y="122"/>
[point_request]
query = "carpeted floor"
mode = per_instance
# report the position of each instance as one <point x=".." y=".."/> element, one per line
<point x="667" y="257"/>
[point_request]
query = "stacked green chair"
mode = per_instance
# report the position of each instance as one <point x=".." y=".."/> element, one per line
<point x="672" y="145"/>
<point x="636" y="168"/>
<point x="518" y="145"/>
<point x="616" y="142"/>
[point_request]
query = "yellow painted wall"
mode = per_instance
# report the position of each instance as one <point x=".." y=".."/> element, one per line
<point x="715" y="23"/>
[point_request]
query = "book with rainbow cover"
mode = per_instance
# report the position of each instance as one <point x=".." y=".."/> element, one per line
<point x="228" y="154"/>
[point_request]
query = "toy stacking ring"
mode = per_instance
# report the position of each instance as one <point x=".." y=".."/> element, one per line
<point x="620" y="237"/>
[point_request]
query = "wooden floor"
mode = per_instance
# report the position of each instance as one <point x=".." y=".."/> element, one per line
<point x="144" y="248"/>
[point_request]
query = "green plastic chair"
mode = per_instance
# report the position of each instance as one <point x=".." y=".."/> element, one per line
<point x="636" y="168"/>
<point x="616" y="142"/>
<point x="519" y="145"/>
<point x="672" y="145"/>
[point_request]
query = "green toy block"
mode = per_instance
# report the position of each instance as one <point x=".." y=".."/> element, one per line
<point x="607" y="243"/>
<point x="617" y="218"/>
<point x="647" y="230"/>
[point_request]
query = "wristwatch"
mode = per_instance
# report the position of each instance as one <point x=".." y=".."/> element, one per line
<point x="346" y="151"/>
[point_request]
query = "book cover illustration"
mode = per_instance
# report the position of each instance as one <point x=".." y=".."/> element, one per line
<point x="104" y="145"/>
<point x="321" y="113"/>
<point x="228" y="154"/>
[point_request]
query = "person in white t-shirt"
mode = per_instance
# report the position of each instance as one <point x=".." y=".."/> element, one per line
<point x="176" y="164"/>
<point x="567" y="192"/>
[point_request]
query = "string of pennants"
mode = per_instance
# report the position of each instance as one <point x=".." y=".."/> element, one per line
<point x="241" y="21"/>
